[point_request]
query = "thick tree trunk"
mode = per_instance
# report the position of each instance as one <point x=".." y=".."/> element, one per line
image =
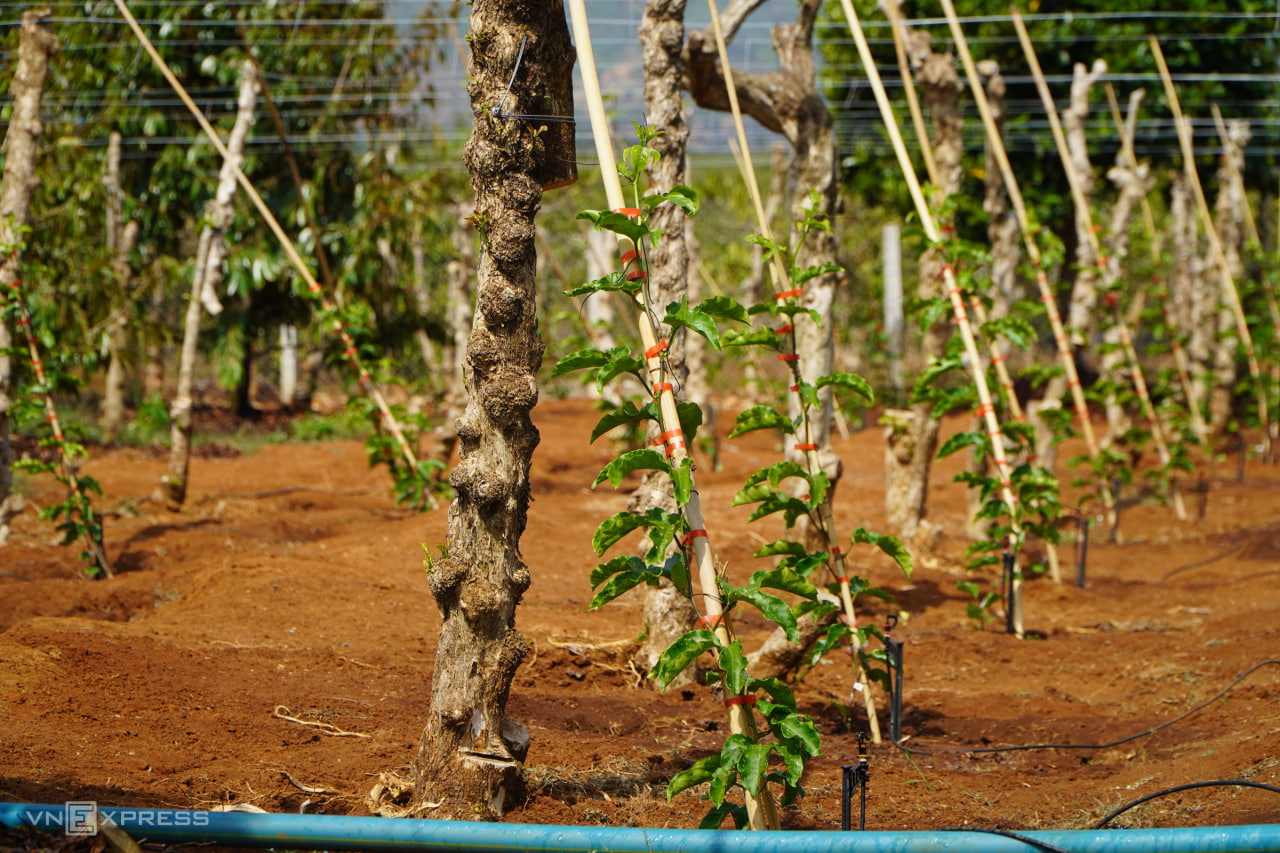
<point x="1194" y="299"/>
<point x="912" y="435"/>
<point x="36" y="44"/>
<point x="667" y="613"/>
<point x="288" y="366"/>
<point x="469" y="759"/>
<point x="207" y="275"/>
<point x="1084" y="292"/>
<point x="753" y="288"/>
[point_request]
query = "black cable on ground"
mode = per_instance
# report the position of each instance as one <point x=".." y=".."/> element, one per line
<point x="1023" y="747"/>
<point x="1206" y="561"/>
<point x="1016" y="836"/>
<point x="1238" y="783"/>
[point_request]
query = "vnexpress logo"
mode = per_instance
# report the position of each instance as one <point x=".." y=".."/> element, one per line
<point x="80" y="818"/>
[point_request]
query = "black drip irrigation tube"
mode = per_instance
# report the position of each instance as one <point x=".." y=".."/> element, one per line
<point x="1082" y="526"/>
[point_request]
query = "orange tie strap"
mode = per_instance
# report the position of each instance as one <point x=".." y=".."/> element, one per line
<point x="629" y="212"/>
<point x="711" y="620"/>
<point x="656" y="350"/>
<point x="787" y="294"/>
<point x="788" y="356"/>
<point x="805" y="445"/>
<point x="782" y="330"/>
<point x="749" y="699"/>
<point x="659" y="387"/>
<point x="694" y="534"/>
<point x="628" y="256"/>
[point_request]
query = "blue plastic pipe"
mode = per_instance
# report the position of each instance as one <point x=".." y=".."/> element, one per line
<point x="329" y="832"/>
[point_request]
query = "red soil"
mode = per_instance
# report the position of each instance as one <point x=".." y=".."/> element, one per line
<point x="292" y="581"/>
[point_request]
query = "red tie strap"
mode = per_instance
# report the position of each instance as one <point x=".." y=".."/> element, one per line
<point x="787" y="294"/>
<point x="656" y="350"/>
<point x="749" y="699"/>
<point x="805" y="445"/>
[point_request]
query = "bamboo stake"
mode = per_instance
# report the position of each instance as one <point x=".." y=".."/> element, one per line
<point x="761" y="808"/>
<point x="1126" y="131"/>
<point x="1215" y="242"/>
<point x="1085" y="216"/>
<point x="986" y="408"/>
<point x="291" y="252"/>
<point x="837" y="566"/>
<point x="1042" y="284"/>
<point x="999" y="358"/>
<point x="51" y="417"/>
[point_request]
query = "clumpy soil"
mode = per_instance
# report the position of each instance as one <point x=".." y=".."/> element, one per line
<point x="273" y="643"/>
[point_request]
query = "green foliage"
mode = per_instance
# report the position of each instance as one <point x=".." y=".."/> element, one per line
<point x="979" y="609"/>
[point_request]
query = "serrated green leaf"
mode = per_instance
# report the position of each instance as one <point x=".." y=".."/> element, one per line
<point x="808" y="273"/>
<point x="761" y="417"/>
<point x="678" y="656"/>
<point x="690" y="416"/>
<point x="780" y="693"/>
<point x="733" y="663"/>
<point x="644" y="459"/>
<point x="618" y="584"/>
<point x="614" y="528"/>
<point x="625" y="415"/>
<point x="960" y="441"/>
<point x="800" y="728"/>
<point x="767" y="338"/>
<point x="620" y="361"/>
<point x="614" y="281"/>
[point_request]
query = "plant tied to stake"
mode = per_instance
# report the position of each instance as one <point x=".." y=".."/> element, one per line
<point x="771" y="741"/>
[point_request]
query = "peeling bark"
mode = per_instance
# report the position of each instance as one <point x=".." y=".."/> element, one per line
<point x="1084" y="292"/>
<point x="207" y="275"/>
<point x="468" y="762"/>
<point x="912" y="436"/>
<point x="1228" y="215"/>
<point x="36" y="44"/>
<point x="121" y="243"/>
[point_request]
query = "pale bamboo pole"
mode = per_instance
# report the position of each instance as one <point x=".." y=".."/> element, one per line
<point x="837" y="566"/>
<point x="1215" y="242"/>
<point x="761" y="808"/>
<point x="1125" y="129"/>
<point x="291" y="252"/>
<point x="986" y="408"/>
<point x="1042" y="285"/>
<point x="1085" y="216"/>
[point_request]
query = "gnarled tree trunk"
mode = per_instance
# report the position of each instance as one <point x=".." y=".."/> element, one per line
<point x="36" y="44"/>
<point x="667" y="613"/>
<point x="1084" y="292"/>
<point x="470" y="756"/>
<point x="120" y="242"/>
<point x="912" y="435"/>
<point x="1228" y="214"/>
<point x="206" y="277"/>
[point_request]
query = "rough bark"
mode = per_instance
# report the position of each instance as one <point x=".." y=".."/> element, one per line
<point x="1084" y="291"/>
<point x="36" y="44"/>
<point x="470" y="755"/>
<point x="1133" y="182"/>
<point x="210" y="253"/>
<point x="458" y="288"/>
<point x="288" y="366"/>
<point x="912" y="435"/>
<point x="1228" y="215"/>
<point x="120" y="243"/>
<point x="667" y="613"/>
<point x="1193" y="299"/>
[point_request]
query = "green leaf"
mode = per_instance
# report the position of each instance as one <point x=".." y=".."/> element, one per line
<point x="791" y="508"/>
<point x="754" y="337"/>
<point x="761" y="417"/>
<point x="960" y="441"/>
<point x="690" y="416"/>
<point x="781" y="546"/>
<point x="780" y="693"/>
<point x="773" y="608"/>
<point x="580" y="360"/>
<point x="614" y="528"/>
<point x="733" y="662"/>
<point x="614" y="281"/>
<point x="890" y="545"/>
<point x="677" y="657"/>
<point x="682" y="481"/>
<point x="606" y="570"/>
<point x="679" y="314"/>
<point x="644" y="459"/>
<point x="850" y="381"/>
<point x="626" y="415"/>
<point x="753" y="765"/>
<point x="786" y="580"/>
<point x="619" y="584"/>
<point x="700" y="771"/>
<point x="804" y="275"/>
<point x="620" y="361"/>
<point x="800" y="728"/>
<point x="618" y="223"/>
<point x="724" y="307"/>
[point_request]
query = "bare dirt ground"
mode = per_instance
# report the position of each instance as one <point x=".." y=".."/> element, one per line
<point x="292" y="586"/>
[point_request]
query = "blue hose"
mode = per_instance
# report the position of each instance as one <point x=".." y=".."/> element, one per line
<point x="330" y="832"/>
